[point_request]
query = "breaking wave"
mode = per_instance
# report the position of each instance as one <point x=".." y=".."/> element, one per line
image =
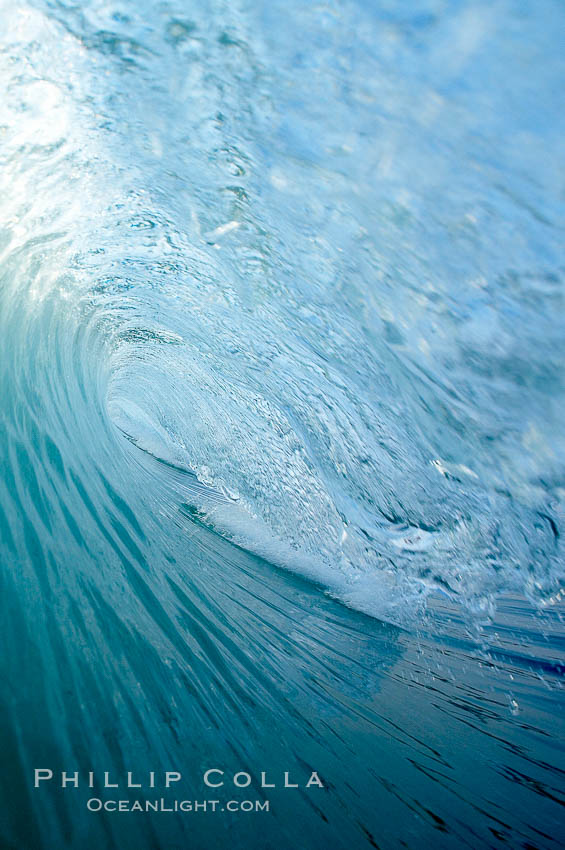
<point x="325" y="289"/>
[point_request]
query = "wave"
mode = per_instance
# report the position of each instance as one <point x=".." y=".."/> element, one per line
<point x="346" y="357"/>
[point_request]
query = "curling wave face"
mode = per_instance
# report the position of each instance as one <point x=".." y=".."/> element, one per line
<point x="323" y="287"/>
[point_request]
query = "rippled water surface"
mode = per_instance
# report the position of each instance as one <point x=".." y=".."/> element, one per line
<point x="281" y="411"/>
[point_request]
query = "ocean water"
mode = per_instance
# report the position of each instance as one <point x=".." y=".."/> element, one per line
<point x="281" y="407"/>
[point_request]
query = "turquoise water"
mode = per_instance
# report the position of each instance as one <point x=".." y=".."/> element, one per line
<point x="281" y="357"/>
